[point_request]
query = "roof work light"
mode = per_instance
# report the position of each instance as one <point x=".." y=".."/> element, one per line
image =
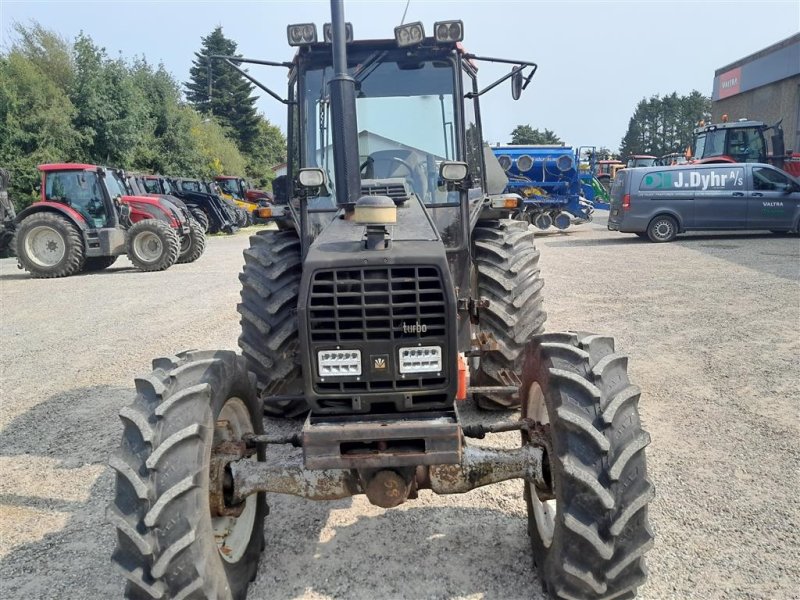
<point x="327" y="32"/>
<point x="301" y="33"/>
<point x="410" y="34"/>
<point x="448" y="31"/>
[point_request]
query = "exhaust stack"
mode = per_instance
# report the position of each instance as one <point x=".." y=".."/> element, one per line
<point x="344" y="127"/>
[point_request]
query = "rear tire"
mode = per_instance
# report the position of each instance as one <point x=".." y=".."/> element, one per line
<point x="507" y="269"/>
<point x="590" y="531"/>
<point x="152" y="245"/>
<point x="194" y="243"/>
<point x="166" y="533"/>
<point x="98" y="263"/>
<point x="662" y="229"/>
<point x="270" y="339"/>
<point x="49" y="245"/>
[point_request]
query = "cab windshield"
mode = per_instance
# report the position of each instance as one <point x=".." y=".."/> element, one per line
<point x="229" y="186"/>
<point x="406" y="121"/>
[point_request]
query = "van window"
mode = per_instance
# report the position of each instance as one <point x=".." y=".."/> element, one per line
<point x="718" y="178"/>
<point x="770" y="180"/>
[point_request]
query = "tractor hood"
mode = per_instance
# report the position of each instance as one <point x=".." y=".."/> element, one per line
<point x="345" y="238"/>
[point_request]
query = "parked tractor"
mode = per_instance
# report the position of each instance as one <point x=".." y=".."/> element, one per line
<point x="744" y="141"/>
<point x="549" y="181"/>
<point x="239" y="191"/>
<point x="7" y="215"/>
<point x="403" y="292"/>
<point x="208" y="209"/>
<point x="86" y="218"/>
<point x="607" y="171"/>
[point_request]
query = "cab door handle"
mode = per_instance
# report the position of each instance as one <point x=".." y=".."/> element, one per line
<point x="739" y="193"/>
<point x="757" y="195"/>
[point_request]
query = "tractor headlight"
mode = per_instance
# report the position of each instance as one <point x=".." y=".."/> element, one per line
<point x="421" y="359"/>
<point x="339" y="363"/>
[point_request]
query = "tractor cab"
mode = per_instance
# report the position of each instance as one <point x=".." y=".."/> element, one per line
<point x="740" y="141"/>
<point x="640" y="160"/>
<point x="89" y="191"/>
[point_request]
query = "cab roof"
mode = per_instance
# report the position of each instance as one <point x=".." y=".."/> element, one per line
<point x="67" y="167"/>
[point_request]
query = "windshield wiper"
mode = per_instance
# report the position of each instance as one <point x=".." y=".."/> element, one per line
<point x="366" y="68"/>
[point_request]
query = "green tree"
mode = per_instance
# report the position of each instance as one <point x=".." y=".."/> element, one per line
<point x="35" y="118"/>
<point x="111" y="110"/>
<point x="269" y="149"/>
<point x="525" y="135"/>
<point x="230" y="98"/>
<point x="663" y="125"/>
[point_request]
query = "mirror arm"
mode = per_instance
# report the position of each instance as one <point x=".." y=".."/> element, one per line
<point x="232" y="60"/>
<point x="519" y="66"/>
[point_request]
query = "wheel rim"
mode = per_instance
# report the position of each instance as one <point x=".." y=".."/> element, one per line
<point x="45" y="246"/>
<point x="148" y="247"/>
<point x="186" y="243"/>
<point x="544" y="512"/>
<point x="662" y="229"/>
<point x="233" y="534"/>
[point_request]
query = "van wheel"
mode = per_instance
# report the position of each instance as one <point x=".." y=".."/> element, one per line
<point x="662" y="229"/>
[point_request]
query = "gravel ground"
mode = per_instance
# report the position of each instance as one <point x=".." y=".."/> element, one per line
<point x="711" y="326"/>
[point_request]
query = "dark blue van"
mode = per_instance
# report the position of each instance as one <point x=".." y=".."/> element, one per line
<point x="661" y="202"/>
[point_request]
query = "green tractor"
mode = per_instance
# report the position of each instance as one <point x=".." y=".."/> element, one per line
<point x="399" y="295"/>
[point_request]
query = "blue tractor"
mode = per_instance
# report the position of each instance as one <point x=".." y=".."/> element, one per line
<point x="549" y="180"/>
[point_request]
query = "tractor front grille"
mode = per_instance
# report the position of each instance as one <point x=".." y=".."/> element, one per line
<point x="377" y="304"/>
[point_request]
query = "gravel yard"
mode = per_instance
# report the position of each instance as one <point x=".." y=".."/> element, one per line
<point x="710" y="323"/>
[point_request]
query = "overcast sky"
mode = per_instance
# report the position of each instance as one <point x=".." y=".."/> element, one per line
<point x="596" y="59"/>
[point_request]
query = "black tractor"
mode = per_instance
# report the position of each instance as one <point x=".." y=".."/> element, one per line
<point x="403" y="295"/>
<point x="209" y="210"/>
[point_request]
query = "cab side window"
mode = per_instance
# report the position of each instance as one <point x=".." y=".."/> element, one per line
<point x="770" y="180"/>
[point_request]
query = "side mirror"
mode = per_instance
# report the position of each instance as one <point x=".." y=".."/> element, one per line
<point x="516" y="84"/>
<point x="451" y="171"/>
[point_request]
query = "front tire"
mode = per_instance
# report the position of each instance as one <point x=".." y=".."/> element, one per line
<point x="508" y="276"/>
<point x="152" y="245"/>
<point x="200" y="216"/>
<point x="589" y="531"/>
<point x="49" y="245"/>
<point x="169" y="545"/>
<point x="270" y="339"/>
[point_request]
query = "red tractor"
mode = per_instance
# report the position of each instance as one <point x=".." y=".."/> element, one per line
<point x="86" y="218"/>
<point x="744" y="141"/>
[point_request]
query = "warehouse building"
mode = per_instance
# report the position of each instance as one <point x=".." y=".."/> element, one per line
<point x="764" y="86"/>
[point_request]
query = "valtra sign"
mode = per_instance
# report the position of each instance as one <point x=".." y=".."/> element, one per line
<point x="730" y="83"/>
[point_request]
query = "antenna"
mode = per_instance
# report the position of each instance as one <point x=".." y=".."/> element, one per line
<point x="403" y="20"/>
